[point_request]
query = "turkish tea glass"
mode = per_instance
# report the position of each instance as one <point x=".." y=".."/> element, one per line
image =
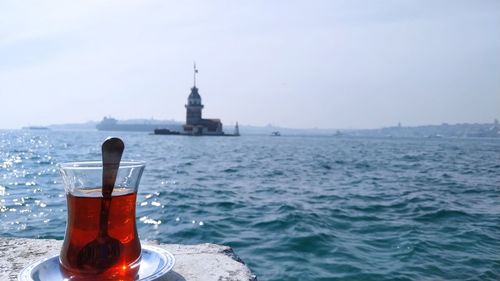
<point x="83" y="187"/>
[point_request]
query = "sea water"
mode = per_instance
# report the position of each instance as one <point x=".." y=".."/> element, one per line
<point x="292" y="207"/>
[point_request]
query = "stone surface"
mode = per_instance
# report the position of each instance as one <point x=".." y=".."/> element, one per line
<point x="204" y="262"/>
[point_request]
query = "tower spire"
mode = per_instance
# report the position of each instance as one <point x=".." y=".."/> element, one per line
<point x="194" y="74"/>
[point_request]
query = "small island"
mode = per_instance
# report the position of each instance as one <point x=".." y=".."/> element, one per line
<point x="195" y="124"/>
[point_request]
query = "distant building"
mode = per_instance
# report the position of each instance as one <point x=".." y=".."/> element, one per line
<point x="195" y="124"/>
<point x="236" y="129"/>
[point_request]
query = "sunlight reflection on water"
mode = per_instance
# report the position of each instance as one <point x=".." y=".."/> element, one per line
<point x="303" y="207"/>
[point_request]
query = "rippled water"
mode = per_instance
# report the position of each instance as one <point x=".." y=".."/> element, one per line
<point x="294" y="208"/>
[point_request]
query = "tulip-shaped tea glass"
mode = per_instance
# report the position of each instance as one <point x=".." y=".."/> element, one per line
<point x="87" y="226"/>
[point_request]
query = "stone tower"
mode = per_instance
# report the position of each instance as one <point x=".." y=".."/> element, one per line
<point x="196" y="125"/>
<point x="193" y="107"/>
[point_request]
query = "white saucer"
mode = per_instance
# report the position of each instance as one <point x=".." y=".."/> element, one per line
<point x="155" y="262"/>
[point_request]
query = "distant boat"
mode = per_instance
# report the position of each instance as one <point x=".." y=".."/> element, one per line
<point x="36" y="128"/>
<point x="435" y="136"/>
<point x="111" y="124"/>
<point x="275" y="134"/>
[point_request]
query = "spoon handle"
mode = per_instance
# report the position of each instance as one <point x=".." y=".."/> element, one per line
<point x="104" y="217"/>
<point x="112" y="150"/>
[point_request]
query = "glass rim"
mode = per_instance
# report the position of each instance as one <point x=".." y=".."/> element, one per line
<point x="97" y="165"/>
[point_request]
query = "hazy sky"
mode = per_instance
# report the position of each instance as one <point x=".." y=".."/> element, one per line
<point x="327" y="64"/>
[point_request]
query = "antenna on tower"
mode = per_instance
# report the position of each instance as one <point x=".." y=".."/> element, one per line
<point x="194" y="73"/>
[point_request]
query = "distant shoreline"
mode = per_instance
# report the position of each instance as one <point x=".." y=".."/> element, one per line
<point x="463" y="130"/>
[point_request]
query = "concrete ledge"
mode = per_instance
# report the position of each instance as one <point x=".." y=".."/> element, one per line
<point x="204" y="262"/>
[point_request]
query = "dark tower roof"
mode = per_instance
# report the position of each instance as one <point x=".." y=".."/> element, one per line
<point x="194" y="93"/>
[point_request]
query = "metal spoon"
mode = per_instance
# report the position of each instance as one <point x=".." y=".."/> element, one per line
<point x="103" y="252"/>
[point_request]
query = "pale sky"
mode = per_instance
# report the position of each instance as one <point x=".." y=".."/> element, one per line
<point x="300" y="64"/>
